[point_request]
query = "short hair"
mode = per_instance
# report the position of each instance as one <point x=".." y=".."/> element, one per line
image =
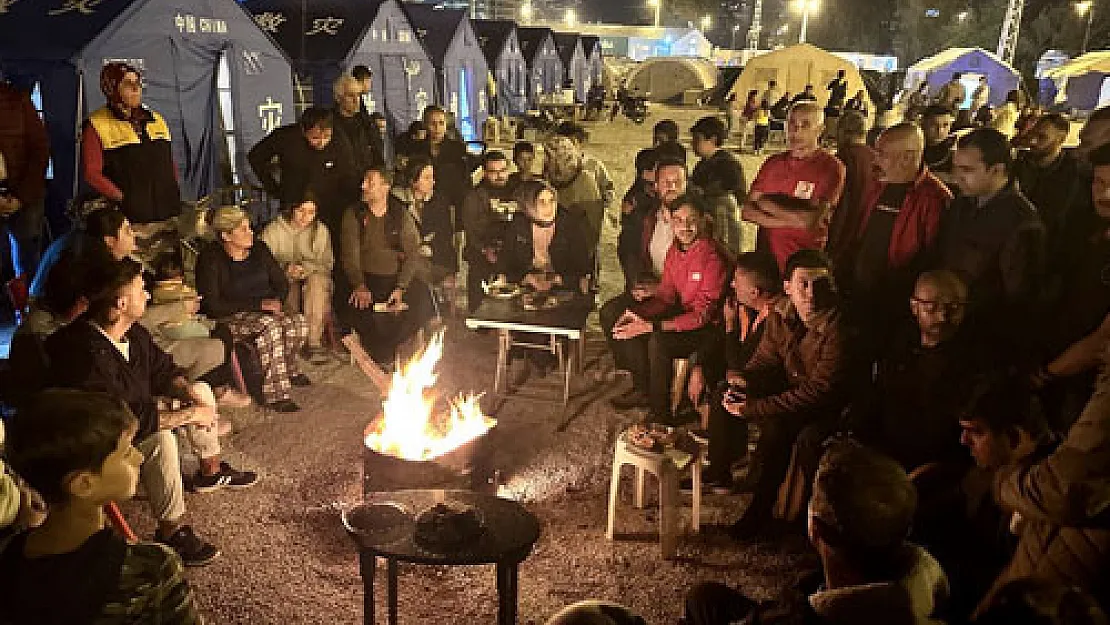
<point x="992" y="145"/>
<point x="944" y="279"/>
<point x="646" y="160"/>
<point x="1004" y="403"/>
<point x="763" y="268"/>
<point x="528" y="190"/>
<point x="671" y="150"/>
<point x="865" y="500"/>
<point x="343" y="84"/>
<point x="594" y="612"/>
<point x="852" y="124"/>
<point x="936" y="110"/>
<point x="382" y="170"/>
<point x="316" y="117"/>
<point x="361" y="72"/>
<point x="670" y="162"/>
<point x="1100" y="156"/>
<point x="104" y="282"/>
<point x="572" y="130"/>
<point x="227" y="218"/>
<point x="1058" y="122"/>
<point x="414" y="167"/>
<point x="666" y="128"/>
<point x="807" y="106"/>
<point x="104" y="222"/>
<point x="62" y="431"/>
<point x="432" y="109"/>
<point x="806" y="259"/>
<point x="168" y="264"/>
<point x="711" y="128"/>
<point x="693" y="199"/>
<point x="957" y="75"/>
<point x="416" y="126"/>
<point x="521" y="147"/>
<point x="494" y="155"/>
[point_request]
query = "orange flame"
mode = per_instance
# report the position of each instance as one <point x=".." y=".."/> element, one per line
<point x="409" y="428"/>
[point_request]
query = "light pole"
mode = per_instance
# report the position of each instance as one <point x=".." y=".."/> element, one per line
<point x="706" y="22"/>
<point x="570" y="17"/>
<point x="735" y="29"/>
<point x="1086" y="7"/>
<point x="805" y="6"/>
<point x="526" y="12"/>
<point x="658" y="5"/>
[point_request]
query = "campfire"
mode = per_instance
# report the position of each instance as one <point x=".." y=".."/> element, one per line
<point x="412" y="425"/>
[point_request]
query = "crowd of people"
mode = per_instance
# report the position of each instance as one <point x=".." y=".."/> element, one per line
<point x="913" y="326"/>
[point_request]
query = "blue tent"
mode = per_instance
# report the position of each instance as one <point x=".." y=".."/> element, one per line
<point x="220" y="83"/>
<point x="461" y="67"/>
<point x="506" y="61"/>
<point x="575" y="70"/>
<point x="326" y="38"/>
<point x="972" y="62"/>
<point x="545" y="68"/>
<point x="591" y="47"/>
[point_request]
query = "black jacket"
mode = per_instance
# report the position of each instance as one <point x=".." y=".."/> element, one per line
<point x="437" y="229"/>
<point x="214" y="282"/>
<point x="363" y="137"/>
<point x="569" y="256"/>
<point x="82" y="357"/>
<point x="451" y="166"/>
<point x="331" y="173"/>
<point x="718" y="175"/>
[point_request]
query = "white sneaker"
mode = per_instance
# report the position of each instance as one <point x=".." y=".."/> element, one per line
<point x="232" y="398"/>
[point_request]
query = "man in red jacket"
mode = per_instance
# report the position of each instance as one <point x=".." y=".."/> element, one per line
<point x="672" y="323"/>
<point x="24" y="153"/>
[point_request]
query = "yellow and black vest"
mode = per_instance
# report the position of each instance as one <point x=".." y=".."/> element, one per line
<point x="138" y="159"/>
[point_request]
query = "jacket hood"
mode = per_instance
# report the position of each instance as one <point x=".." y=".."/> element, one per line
<point x="912" y="599"/>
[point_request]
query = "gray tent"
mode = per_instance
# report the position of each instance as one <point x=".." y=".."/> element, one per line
<point x="545" y="68"/>
<point x="501" y="46"/>
<point x="575" y="70"/>
<point x="591" y="47"/>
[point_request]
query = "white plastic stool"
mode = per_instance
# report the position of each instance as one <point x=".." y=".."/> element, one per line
<point x="665" y="470"/>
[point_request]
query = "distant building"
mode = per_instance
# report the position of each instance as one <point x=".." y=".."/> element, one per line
<point x="642" y="42"/>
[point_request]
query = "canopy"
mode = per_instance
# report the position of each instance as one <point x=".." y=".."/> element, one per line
<point x="1078" y="83"/>
<point x="326" y="38"/>
<point x="666" y="78"/>
<point x="545" y="67"/>
<point x="499" y="43"/>
<point x="972" y="62"/>
<point x="794" y="67"/>
<point x="461" y="68"/>
<point x="220" y="83"/>
<point x="575" y="70"/>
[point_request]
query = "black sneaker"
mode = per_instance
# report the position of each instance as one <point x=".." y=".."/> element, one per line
<point x="226" y="477"/>
<point x="284" y="405"/>
<point x="300" y="380"/>
<point x="193" y="550"/>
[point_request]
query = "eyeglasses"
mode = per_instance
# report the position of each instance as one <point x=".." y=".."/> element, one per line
<point x="932" y="307"/>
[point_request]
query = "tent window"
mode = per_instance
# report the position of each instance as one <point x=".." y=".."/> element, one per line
<point x="404" y="36"/>
<point x="36" y="100"/>
<point x="302" y="92"/>
<point x="227" y="115"/>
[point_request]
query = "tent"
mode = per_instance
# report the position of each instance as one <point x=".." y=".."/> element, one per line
<point x="545" y="67"/>
<point x="575" y="71"/>
<point x="666" y="78"/>
<point x="591" y="47"/>
<point x="218" y="81"/>
<point x="615" y="70"/>
<point x="793" y="68"/>
<point x="1080" y="83"/>
<point x="973" y="63"/>
<point x="326" y="38"/>
<point x="461" y="68"/>
<point x="506" y="62"/>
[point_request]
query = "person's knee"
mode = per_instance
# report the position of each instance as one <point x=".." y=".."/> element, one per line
<point x="611" y="311"/>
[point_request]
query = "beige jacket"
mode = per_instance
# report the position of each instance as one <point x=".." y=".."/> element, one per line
<point x="914" y="599"/>
<point x="309" y="248"/>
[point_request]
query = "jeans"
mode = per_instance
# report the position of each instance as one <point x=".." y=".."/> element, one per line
<point x="25" y="227"/>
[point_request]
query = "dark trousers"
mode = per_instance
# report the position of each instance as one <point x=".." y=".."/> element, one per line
<point x="778" y="438"/>
<point x="381" y="332"/>
<point x="759" y="137"/>
<point x="25" y="227"/>
<point x="728" y="439"/>
<point x="478" y="269"/>
<point x="713" y="603"/>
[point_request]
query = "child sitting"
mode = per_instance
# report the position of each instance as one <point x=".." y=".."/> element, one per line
<point x="170" y="288"/>
<point x="74" y="448"/>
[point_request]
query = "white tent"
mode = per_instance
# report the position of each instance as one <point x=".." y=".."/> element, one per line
<point x="796" y="66"/>
<point x="665" y="79"/>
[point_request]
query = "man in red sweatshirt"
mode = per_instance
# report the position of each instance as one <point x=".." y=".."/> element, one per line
<point x="674" y="321"/>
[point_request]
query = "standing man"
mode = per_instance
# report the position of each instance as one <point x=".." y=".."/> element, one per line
<point x="1053" y="181"/>
<point x="940" y="143"/>
<point x="853" y="150"/>
<point x="952" y="94"/>
<point x="720" y="178"/>
<point x="838" y="92"/>
<point x="357" y="128"/>
<point x="365" y="79"/>
<point x="24" y="154"/>
<point x="981" y="96"/>
<point x="795" y="191"/>
<point x="125" y="150"/>
<point x="309" y="155"/>
<point x="484" y="218"/>
<point x="992" y="238"/>
<point x="1094" y="134"/>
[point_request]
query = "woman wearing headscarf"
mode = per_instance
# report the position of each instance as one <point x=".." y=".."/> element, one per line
<point x="543" y="247"/>
<point x="125" y="150"/>
<point x="576" y="189"/>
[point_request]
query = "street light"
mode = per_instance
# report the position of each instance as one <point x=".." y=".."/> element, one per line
<point x="805" y="7"/>
<point x="735" y="29"/>
<point x="706" y="22"/>
<point x="570" y="17"/>
<point x="526" y="12"/>
<point x="1086" y="7"/>
<point x="658" y="4"/>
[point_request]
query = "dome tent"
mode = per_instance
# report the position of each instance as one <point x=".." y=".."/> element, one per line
<point x="1080" y="81"/>
<point x="939" y="68"/>
<point x="796" y="66"/>
<point x="666" y="78"/>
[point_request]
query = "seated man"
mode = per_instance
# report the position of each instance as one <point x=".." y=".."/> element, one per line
<point x="108" y="350"/>
<point x="380" y="257"/>
<point x="76" y="449"/>
<point x="673" y="322"/>
<point x="924" y="374"/>
<point x="482" y="219"/>
<point x="793" y="386"/>
<point x="757" y="293"/>
<point x="859" y="520"/>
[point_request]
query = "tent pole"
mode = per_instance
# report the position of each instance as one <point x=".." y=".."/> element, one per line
<point x="79" y="121"/>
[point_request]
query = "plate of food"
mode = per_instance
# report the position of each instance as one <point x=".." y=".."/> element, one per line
<point x="501" y="289"/>
<point x="539" y="301"/>
<point x="449" y="526"/>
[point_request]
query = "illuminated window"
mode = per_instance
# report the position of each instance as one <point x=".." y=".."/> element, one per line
<point x="227" y="118"/>
<point x="36" y="100"/>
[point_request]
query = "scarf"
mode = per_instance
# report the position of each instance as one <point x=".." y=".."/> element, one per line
<point x="110" y="78"/>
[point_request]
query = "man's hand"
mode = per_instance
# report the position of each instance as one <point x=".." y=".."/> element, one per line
<point x="627" y="317"/>
<point x="735" y="408"/>
<point x="396" y="298"/>
<point x="632" y="327"/>
<point x="361" y="298"/>
<point x="643" y="291"/>
<point x="271" y="306"/>
<point x="201" y="416"/>
<point x="295" y="271"/>
<point x="539" y="281"/>
<point x="696" y="384"/>
<point x="448" y="282"/>
<point x="730" y="310"/>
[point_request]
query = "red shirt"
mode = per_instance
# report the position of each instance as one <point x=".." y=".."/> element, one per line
<point x="694" y="280"/>
<point x="818" y="178"/>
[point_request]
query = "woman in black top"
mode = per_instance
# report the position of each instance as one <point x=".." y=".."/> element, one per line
<point x="432" y="213"/>
<point x="546" y="246"/>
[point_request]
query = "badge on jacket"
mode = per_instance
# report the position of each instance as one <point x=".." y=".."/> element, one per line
<point x="804" y="190"/>
<point x="696" y="276"/>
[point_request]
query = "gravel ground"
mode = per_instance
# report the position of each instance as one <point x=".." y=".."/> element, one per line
<point x="286" y="559"/>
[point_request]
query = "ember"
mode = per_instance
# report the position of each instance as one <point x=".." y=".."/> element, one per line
<point x="410" y="427"/>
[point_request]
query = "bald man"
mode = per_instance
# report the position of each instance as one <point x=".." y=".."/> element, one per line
<point x="793" y="195"/>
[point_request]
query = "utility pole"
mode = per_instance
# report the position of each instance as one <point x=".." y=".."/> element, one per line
<point x="757" y="25"/>
<point x="1007" y="41"/>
